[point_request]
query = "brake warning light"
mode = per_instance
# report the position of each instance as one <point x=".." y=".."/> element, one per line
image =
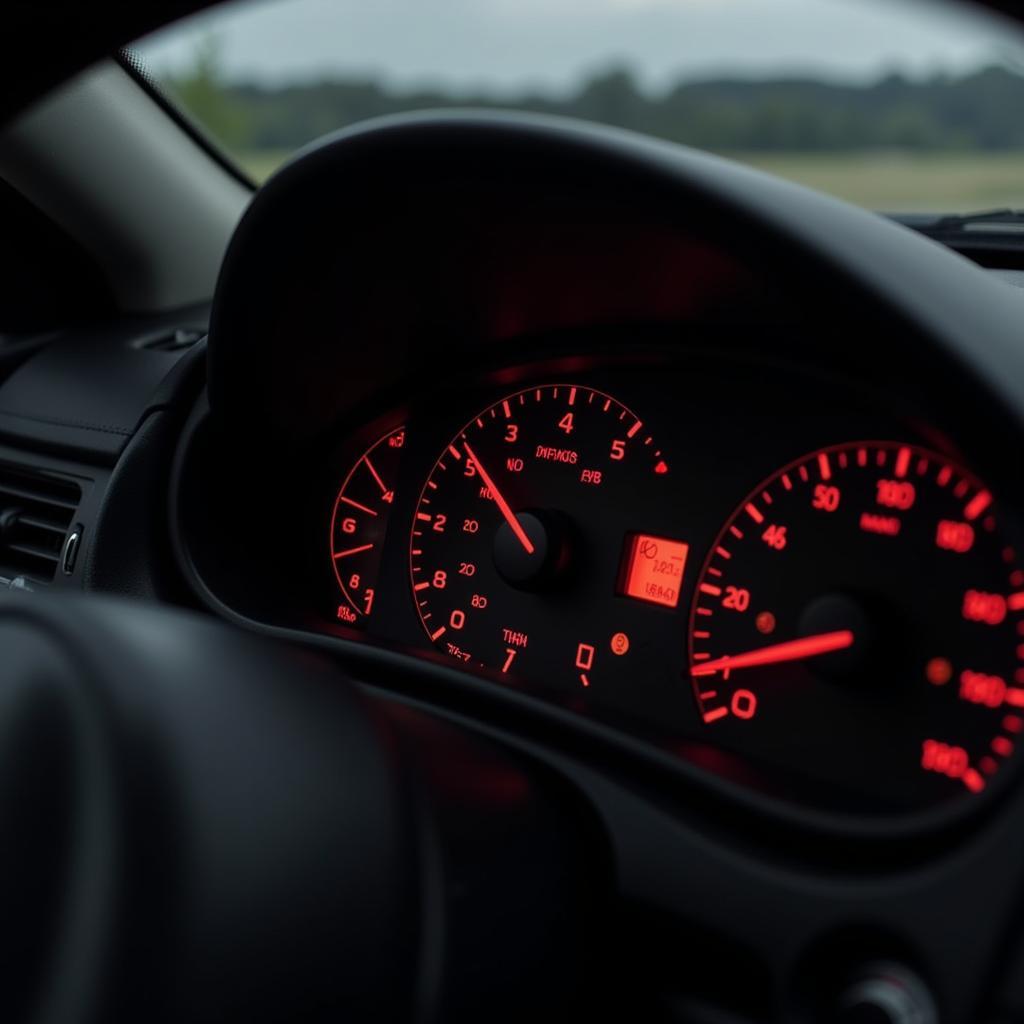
<point x="652" y="569"/>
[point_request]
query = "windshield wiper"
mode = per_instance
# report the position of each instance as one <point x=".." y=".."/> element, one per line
<point x="984" y="222"/>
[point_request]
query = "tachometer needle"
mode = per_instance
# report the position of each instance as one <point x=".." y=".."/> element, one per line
<point x="503" y="505"/>
<point x="791" y="650"/>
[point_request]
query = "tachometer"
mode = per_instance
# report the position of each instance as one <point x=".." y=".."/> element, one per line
<point x="526" y="554"/>
<point x="861" y="614"/>
<point x="359" y="524"/>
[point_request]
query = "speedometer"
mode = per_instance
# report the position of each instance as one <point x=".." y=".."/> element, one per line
<point x="531" y="552"/>
<point x="863" y="613"/>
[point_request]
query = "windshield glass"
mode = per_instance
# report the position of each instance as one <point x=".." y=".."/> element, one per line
<point x="900" y="106"/>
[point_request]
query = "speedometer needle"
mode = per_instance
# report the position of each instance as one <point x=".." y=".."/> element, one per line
<point x="790" y="650"/>
<point x="503" y="505"/>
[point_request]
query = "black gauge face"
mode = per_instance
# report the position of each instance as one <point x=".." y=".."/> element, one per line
<point x="359" y="524"/>
<point x="522" y="556"/>
<point x="861" y="613"/>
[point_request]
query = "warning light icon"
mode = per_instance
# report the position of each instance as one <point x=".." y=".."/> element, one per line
<point x="661" y="467"/>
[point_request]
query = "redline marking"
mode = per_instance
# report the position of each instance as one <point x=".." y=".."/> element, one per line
<point x="633" y="430"/>
<point x="352" y="551"/>
<point x="823" y="466"/>
<point x="440" y="631"/>
<point x="376" y="475"/>
<point x="355" y="504"/>
<point x="421" y="586"/>
<point x="754" y="513"/>
<point x="713" y="716"/>
<point x="977" y="505"/>
<point x="902" y="462"/>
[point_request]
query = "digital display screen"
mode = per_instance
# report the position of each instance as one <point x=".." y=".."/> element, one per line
<point x="652" y="569"/>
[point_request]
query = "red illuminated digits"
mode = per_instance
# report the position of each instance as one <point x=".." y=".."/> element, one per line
<point x="565" y="423"/>
<point x="978" y="688"/>
<point x="584" y="657"/>
<point x="438" y="524"/>
<point x="954" y="536"/>
<point x="503" y="505"/>
<point x="511" y="432"/>
<point x="895" y="494"/>
<point x="980" y="606"/>
<point x="510" y="656"/>
<point x="457" y="619"/>
<point x="826" y="498"/>
<point x="943" y="758"/>
<point x="743" y="704"/>
<point x="618" y="451"/>
<point x="775" y="537"/>
<point x="736" y="598"/>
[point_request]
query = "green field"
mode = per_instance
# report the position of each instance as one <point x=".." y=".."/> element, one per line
<point x="896" y="182"/>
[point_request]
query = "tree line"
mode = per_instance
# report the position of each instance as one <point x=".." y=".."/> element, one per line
<point x="973" y="111"/>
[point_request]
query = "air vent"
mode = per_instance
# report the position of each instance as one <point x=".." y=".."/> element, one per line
<point x="35" y="512"/>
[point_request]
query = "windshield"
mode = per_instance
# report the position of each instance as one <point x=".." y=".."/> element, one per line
<point x="902" y="107"/>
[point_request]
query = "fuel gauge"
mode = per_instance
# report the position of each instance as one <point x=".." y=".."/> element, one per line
<point x="359" y="524"/>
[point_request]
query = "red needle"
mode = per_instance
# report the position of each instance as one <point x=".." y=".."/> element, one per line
<point x="503" y="505"/>
<point x="791" y="650"/>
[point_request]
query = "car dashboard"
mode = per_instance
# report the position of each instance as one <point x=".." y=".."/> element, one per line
<point x="702" y="489"/>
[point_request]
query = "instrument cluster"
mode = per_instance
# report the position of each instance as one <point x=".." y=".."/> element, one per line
<point x="746" y="565"/>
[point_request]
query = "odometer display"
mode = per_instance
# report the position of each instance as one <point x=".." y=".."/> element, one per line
<point x="518" y="538"/>
<point x="862" y="615"/>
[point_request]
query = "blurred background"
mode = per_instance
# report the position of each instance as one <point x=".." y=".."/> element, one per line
<point x="898" y="105"/>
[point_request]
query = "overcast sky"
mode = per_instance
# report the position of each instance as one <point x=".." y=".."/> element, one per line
<point x="505" y="45"/>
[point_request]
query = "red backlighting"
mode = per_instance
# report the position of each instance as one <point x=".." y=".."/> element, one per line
<point x="661" y="468"/>
<point x="954" y="536"/>
<point x="653" y="569"/>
